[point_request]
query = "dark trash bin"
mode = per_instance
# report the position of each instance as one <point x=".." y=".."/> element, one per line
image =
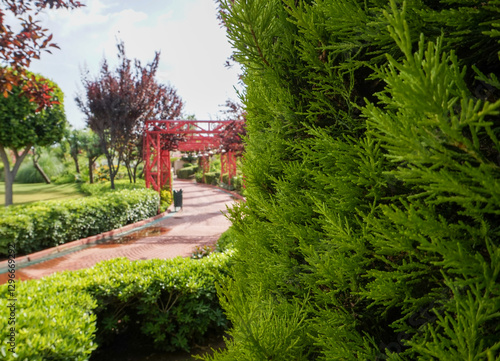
<point x="177" y="199"/>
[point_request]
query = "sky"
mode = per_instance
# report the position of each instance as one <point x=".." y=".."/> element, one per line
<point x="193" y="47"/>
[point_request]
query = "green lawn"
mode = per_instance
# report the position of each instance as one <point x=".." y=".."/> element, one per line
<point x="26" y="193"/>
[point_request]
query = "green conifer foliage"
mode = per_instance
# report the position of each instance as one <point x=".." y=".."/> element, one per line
<point x="372" y="167"/>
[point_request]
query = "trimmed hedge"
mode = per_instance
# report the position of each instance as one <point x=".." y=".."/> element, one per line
<point x="236" y="182"/>
<point x="212" y="178"/>
<point x="186" y="172"/>
<point x="49" y="321"/>
<point x="198" y="177"/>
<point x="100" y="188"/>
<point x="173" y="302"/>
<point x="47" y="224"/>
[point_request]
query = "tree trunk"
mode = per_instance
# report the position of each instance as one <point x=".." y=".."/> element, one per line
<point x="112" y="180"/>
<point x="9" y="181"/>
<point x="129" y="171"/>
<point x="135" y="171"/>
<point x="38" y="168"/>
<point x="10" y="175"/>
<point x="112" y="174"/>
<point x="113" y="171"/>
<point x="77" y="166"/>
<point x="91" y="173"/>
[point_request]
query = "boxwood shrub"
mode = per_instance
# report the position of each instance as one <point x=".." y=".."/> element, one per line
<point x="100" y="188"/>
<point x="173" y="302"/>
<point x="42" y="225"/>
<point x="186" y="172"/>
<point x="198" y="177"/>
<point x="50" y="320"/>
<point x="212" y="178"/>
<point x="236" y="182"/>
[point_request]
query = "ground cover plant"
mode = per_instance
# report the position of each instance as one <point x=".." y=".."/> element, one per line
<point x="372" y="181"/>
<point x="66" y="316"/>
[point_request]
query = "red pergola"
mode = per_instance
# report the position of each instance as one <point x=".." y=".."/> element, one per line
<point x="201" y="136"/>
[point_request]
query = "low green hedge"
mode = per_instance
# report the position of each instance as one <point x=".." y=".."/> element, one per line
<point x="236" y="183"/>
<point x="42" y="225"/>
<point x="49" y="320"/>
<point x="173" y="302"/>
<point x="100" y="188"/>
<point x="212" y="178"/>
<point x="186" y="172"/>
<point x="198" y="177"/>
<point x="227" y="240"/>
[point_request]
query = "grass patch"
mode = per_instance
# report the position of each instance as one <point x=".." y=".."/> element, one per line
<point x="34" y="192"/>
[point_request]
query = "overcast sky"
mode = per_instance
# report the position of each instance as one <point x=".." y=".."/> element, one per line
<point x="193" y="49"/>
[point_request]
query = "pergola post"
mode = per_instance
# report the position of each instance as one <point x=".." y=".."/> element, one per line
<point x="198" y="135"/>
<point x="165" y="172"/>
<point x="223" y="165"/>
<point x="158" y="163"/>
<point x="231" y="166"/>
<point x="228" y="165"/>
<point x="205" y="164"/>
<point x="147" y="158"/>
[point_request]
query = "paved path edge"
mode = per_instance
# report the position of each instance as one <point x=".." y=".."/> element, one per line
<point x="33" y="257"/>
<point x="52" y="252"/>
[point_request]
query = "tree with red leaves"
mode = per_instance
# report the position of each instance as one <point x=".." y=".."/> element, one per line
<point x="18" y="49"/>
<point x="118" y="102"/>
<point x="234" y="132"/>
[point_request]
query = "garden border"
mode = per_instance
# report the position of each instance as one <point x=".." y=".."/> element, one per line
<point x="61" y="250"/>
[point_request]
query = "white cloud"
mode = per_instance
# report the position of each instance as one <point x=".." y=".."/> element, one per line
<point x="193" y="48"/>
<point x="69" y="22"/>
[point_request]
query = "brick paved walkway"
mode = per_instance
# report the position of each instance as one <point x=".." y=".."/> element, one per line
<point x="200" y="222"/>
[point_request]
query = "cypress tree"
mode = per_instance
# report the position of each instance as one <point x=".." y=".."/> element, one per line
<point x="372" y="168"/>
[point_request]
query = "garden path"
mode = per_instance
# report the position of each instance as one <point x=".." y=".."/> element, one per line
<point x="200" y="222"/>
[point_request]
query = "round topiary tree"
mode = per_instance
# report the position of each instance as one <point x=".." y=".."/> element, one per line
<point x="23" y="125"/>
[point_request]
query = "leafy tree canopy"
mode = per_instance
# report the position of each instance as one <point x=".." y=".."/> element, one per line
<point x="19" y="48"/>
<point x="232" y="137"/>
<point x="118" y="101"/>
<point x="22" y="126"/>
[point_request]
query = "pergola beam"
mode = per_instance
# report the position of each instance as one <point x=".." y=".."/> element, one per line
<point x="199" y="136"/>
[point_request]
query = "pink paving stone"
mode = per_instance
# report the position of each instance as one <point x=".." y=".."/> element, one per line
<point x="199" y="223"/>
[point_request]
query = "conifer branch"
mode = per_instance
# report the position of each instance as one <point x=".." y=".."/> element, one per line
<point x="258" y="46"/>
